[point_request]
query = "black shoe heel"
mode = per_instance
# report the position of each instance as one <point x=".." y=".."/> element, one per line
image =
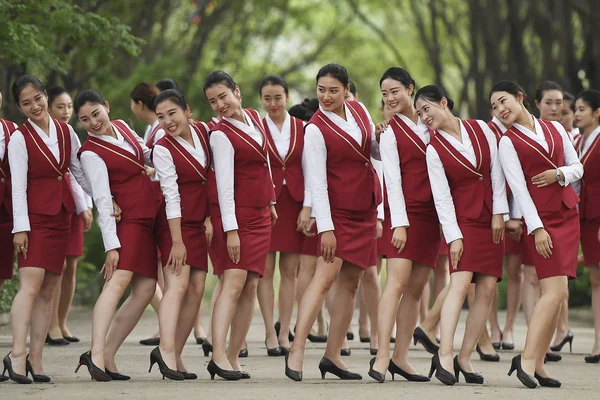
<point x="290" y="373"/>
<point x="547" y="382"/>
<point x="36" y="378"/>
<point x="378" y="376"/>
<point x="326" y="365"/>
<point x="420" y="336"/>
<point x="441" y="374"/>
<point x="229" y="375"/>
<point x="166" y="372"/>
<point x="487" y="357"/>
<point x="12" y="375"/>
<point x="567" y="339"/>
<point x="394" y="369"/>
<point x="523" y="376"/>
<point x="206" y="348"/>
<point x="470" y="377"/>
<point x="96" y="373"/>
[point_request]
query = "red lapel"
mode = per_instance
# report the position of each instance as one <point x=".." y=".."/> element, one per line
<point x="42" y="146"/>
<point x="361" y="125"/>
<point x="593" y="147"/>
<point x="475" y="142"/>
<point x="409" y="132"/>
<point x="340" y="132"/>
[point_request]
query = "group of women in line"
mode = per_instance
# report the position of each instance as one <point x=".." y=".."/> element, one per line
<point x="329" y="195"/>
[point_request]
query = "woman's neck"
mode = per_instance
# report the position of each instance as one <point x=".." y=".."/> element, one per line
<point x="278" y="119"/>
<point x="587" y="131"/>
<point x="341" y="111"/>
<point x="525" y="119"/>
<point x="109" y="131"/>
<point x="452" y="126"/>
<point x="150" y="118"/>
<point x="239" y="116"/>
<point x="187" y="135"/>
<point x="410" y="113"/>
<point x="44" y="123"/>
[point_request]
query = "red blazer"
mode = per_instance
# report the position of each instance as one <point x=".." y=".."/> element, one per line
<point x="5" y="193"/>
<point x="590" y="182"/>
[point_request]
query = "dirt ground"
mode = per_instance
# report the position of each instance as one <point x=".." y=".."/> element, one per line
<point x="580" y="380"/>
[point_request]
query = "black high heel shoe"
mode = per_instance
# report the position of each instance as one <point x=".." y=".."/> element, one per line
<point x="498" y="345"/>
<point x="3" y="378"/>
<point x="592" y="359"/>
<point x="188" y="376"/>
<point x="166" y="372"/>
<point x="274" y="352"/>
<point x="487" y="357"/>
<point x="552" y="357"/>
<point x="567" y="339"/>
<point x="278" y="328"/>
<point x="420" y="336"/>
<point x="394" y="369"/>
<point x="547" y="382"/>
<point x="200" y="340"/>
<point x="373" y="351"/>
<point x="365" y="339"/>
<point x="56" y="342"/>
<point x="150" y="341"/>
<point x="346" y="352"/>
<point x="523" y="376"/>
<point x="243" y="353"/>
<point x="470" y="377"/>
<point x="378" y="376"/>
<point x="13" y="376"/>
<point x="350" y="335"/>
<point x="441" y="374"/>
<point x="96" y="373"/>
<point x="230" y="375"/>
<point x="36" y="378"/>
<point x="206" y="348"/>
<point x="290" y="373"/>
<point x="326" y="365"/>
<point x="115" y="376"/>
<point x="245" y="375"/>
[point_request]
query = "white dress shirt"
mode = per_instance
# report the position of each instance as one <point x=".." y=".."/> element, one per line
<point x="390" y="157"/>
<point x="224" y="159"/>
<point x="167" y="173"/>
<point x="2" y="140"/>
<point x="159" y="134"/>
<point x="316" y="155"/>
<point x="18" y="159"/>
<point x="511" y="165"/>
<point x="500" y="125"/>
<point x="281" y="137"/>
<point x="440" y="188"/>
<point x="97" y="173"/>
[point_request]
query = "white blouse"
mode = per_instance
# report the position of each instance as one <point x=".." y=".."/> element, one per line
<point x="511" y="165"/>
<point x="167" y="173"/>
<point x="316" y="157"/>
<point x="97" y="173"/>
<point x="223" y="159"/>
<point x="392" y="169"/>
<point x="18" y="159"/>
<point x="2" y="140"/>
<point x="440" y="188"/>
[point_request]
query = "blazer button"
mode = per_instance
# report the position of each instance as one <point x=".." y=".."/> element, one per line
<point x="2" y="180"/>
<point x="283" y="168"/>
<point x="265" y="165"/>
<point x="366" y="164"/>
<point x="481" y="178"/>
<point x="204" y="182"/>
<point x="143" y="172"/>
<point x="59" y="178"/>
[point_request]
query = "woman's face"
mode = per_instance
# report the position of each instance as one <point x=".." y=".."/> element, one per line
<point x="396" y="97"/>
<point x="172" y="118"/>
<point x="273" y="98"/>
<point x="94" y="118"/>
<point x="331" y="93"/>
<point x="506" y="107"/>
<point x="62" y="107"/>
<point x="567" y="117"/>
<point x="224" y="101"/>
<point x="33" y="103"/>
<point x="551" y="105"/>
<point x="585" y="117"/>
<point x="431" y="113"/>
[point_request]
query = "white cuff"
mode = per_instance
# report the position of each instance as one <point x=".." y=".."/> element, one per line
<point x="324" y="225"/>
<point x="21" y="224"/>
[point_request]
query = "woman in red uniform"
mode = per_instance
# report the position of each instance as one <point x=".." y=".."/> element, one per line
<point x="414" y="234"/>
<point x="345" y="192"/>
<point x="539" y="163"/>
<point x="285" y="136"/>
<point x="587" y="115"/>
<point x="40" y="153"/>
<point x="246" y="200"/>
<point x="182" y="161"/>
<point x="114" y="159"/>
<point x="469" y="192"/>
<point x="60" y="106"/>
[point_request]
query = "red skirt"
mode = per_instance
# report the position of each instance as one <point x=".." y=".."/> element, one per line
<point x="138" y="247"/>
<point x="480" y="254"/>
<point x="511" y="246"/>
<point x="310" y="243"/>
<point x="443" y="249"/>
<point x="218" y="247"/>
<point x="7" y="250"/>
<point x="75" y="246"/>
<point x="194" y="239"/>
<point x="589" y="241"/>
<point x="48" y="241"/>
<point x="284" y="236"/>
<point x="563" y="228"/>
<point x="384" y="244"/>
<point x="355" y="236"/>
<point x="254" y="230"/>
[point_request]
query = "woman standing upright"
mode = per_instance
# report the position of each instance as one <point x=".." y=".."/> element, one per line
<point x="539" y="163"/>
<point x="345" y="192"/>
<point x="285" y="138"/>
<point x="414" y="234"/>
<point x="469" y="192"/>
<point x="246" y="200"/>
<point x="587" y="116"/>
<point x="40" y="153"/>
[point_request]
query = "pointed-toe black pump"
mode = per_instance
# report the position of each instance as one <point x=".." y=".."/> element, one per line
<point x="326" y="365"/>
<point x="166" y="372"/>
<point x="470" y="377"/>
<point x="394" y="369"/>
<point x="523" y="376"/>
<point x="441" y="374"/>
<point x="96" y="373"/>
<point x="419" y="336"/>
<point x="36" y="378"/>
<point x="12" y="375"/>
<point x="229" y="375"/>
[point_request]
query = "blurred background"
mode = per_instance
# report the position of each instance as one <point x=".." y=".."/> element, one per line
<point x="462" y="45"/>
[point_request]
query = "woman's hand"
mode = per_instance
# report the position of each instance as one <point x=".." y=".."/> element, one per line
<point x="116" y="211"/>
<point x="456" y="252"/>
<point x="177" y="258"/>
<point x="514" y="229"/>
<point x="21" y="243"/>
<point x="150" y="171"/>
<point x="303" y="220"/>
<point x="399" y="238"/>
<point x="497" y="228"/>
<point x="543" y="242"/>
<point x="380" y="127"/>
<point x="233" y="246"/>
<point x="378" y="229"/>
<point x="88" y="219"/>
<point x="273" y="214"/>
<point x="210" y="231"/>
<point x="545" y="178"/>
<point x="309" y="231"/>
<point x="110" y="264"/>
<point x="328" y="246"/>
